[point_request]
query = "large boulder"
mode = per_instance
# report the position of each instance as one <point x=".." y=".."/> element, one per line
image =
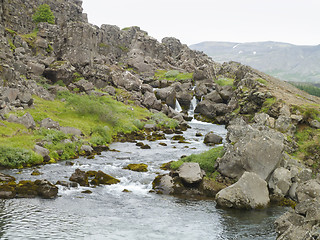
<point x="249" y="192"/>
<point x="26" y="120"/>
<point x="190" y="172"/>
<point x="251" y="148"/>
<point x="79" y="177"/>
<point x="45" y="189"/>
<point x="308" y="190"/>
<point x="48" y="123"/>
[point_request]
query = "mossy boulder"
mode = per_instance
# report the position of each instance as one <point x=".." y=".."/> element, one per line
<point x="45" y="189"/>
<point x="145" y="146"/>
<point x="140" y="167"/>
<point x="101" y="178"/>
<point x="178" y="138"/>
<point x="7" y="190"/>
<point x="26" y="189"/>
<point x="80" y="177"/>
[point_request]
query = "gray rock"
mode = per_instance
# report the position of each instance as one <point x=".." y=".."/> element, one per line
<point x="280" y="181"/>
<point x="249" y="192"/>
<point x="163" y="184"/>
<point x="314" y="124"/>
<point x="87" y="149"/>
<point x="26" y="120"/>
<point x="43" y="152"/>
<point x="10" y="94"/>
<point x="251" y="149"/>
<point x="84" y="85"/>
<point x="45" y="189"/>
<point x="48" y="123"/>
<point x="25" y="97"/>
<point x="190" y="172"/>
<point x="214" y="96"/>
<point x="212" y="139"/>
<point x="36" y="68"/>
<point x="71" y="130"/>
<point x="308" y="190"/>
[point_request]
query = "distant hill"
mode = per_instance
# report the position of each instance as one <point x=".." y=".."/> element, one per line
<point x="282" y="60"/>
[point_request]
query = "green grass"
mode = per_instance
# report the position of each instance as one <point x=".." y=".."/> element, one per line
<point x="267" y="104"/>
<point x="172" y="75"/>
<point x="262" y="81"/>
<point x="14" y="157"/>
<point x="99" y="119"/>
<point x="206" y="160"/>
<point x="225" y="81"/>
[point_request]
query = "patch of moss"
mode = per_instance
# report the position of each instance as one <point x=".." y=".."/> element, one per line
<point x="12" y="46"/>
<point x="172" y="75"/>
<point x="267" y="104"/>
<point x="141" y="167"/>
<point x="103" y="45"/>
<point x="262" y="81"/>
<point x="225" y="81"/>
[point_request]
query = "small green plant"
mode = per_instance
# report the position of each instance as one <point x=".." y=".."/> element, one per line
<point x="12" y="46"/>
<point x="43" y="14"/>
<point x="77" y="77"/>
<point x="12" y="32"/>
<point x="123" y="48"/>
<point x="172" y="74"/>
<point x="51" y="135"/>
<point x="60" y="83"/>
<point x="225" y="81"/>
<point x="267" y="104"/>
<point x="262" y="81"/>
<point x="12" y="157"/>
<point x="49" y="49"/>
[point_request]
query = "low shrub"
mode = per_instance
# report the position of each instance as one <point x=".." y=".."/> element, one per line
<point x="12" y="157"/>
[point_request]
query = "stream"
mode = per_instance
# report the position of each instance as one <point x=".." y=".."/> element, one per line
<point x="110" y="213"/>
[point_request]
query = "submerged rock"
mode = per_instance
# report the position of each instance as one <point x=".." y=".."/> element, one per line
<point x="249" y="192"/>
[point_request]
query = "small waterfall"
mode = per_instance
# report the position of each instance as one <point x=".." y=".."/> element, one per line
<point x="193" y="106"/>
<point x="178" y="107"/>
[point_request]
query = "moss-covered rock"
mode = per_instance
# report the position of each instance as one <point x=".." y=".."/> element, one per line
<point x="101" y="178"/>
<point x="140" y="167"/>
<point x="80" y="177"/>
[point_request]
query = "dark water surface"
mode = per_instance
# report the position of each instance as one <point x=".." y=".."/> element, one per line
<point x="110" y="213"/>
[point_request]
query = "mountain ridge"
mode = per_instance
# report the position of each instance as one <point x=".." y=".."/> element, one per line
<point x="285" y="61"/>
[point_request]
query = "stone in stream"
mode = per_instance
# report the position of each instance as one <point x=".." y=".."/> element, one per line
<point x="141" y="167"/>
<point x="80" y="177"/>
<point x="190" y="173"/>
<point x="95" y="177"/>
<point x="249" y="192"/>
<point x="212" y="139"/>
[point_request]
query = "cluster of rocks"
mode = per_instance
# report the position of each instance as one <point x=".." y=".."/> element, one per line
<point x="94" y="178"/>
<point x="25" y="189"/>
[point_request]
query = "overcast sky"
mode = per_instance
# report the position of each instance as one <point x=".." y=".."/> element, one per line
<point x="194" y="21"/>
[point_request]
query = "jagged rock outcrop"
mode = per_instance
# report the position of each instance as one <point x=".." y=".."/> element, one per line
<point x="251" y="148"/>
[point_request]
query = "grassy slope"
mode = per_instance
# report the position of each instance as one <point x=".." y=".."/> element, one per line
<point x="99" y="119"/>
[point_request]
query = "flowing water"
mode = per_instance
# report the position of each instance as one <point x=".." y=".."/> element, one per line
<point x="110" y="213"/>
